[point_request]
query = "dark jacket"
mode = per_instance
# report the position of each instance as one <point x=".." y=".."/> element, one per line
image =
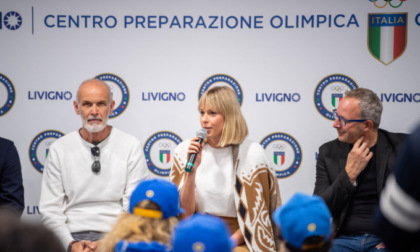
<point x="11" y="186"/>
<point x="332" y="182"/>
<point x="399" y="228"/>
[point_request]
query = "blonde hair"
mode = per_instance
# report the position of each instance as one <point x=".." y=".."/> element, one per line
<point x="223" y="100"/>
<point x="135" y="228"/>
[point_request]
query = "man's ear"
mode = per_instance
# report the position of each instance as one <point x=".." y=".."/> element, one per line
<point x="111" y="109"/>
<point x="368" y="125"/>
<point x="76" y="107"/>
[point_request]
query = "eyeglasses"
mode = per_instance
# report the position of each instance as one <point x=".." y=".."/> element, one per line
<point x="343" y="122"/>
<point x="96" y="166"/>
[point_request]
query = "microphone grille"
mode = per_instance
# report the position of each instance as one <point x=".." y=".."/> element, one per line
<point x="201" y="133"/>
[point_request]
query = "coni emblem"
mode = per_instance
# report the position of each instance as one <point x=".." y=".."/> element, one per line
<point x="11" y="95"/>
<point x="221" y="80"/>
<point x="158" y="151"/>
<point x="284" y="153"/>
<point x="329" y="92"/>
<point x="39" y="147"/>
<point x="121" y="94"/>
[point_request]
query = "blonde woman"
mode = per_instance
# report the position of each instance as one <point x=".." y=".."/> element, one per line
<point x="231" y="176"/>
<point x="152" y="216"/>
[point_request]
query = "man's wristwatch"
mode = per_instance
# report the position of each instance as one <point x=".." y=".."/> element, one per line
<point x="71" y="244"/>
<point x="355" y="183"/>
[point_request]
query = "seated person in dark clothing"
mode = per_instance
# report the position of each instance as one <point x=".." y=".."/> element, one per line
<point x="398" y="216"/>
<point x="11" y="187"/>
<point x="351" y="170"/>
<point x="17" y="236"/>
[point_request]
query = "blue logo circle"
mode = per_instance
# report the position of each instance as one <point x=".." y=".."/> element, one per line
<point x="125" y="94"/>
<point x="222" y="78"/>
<point x="329" y="92"/>
<point x="11" y="95"/>
<point x="39" y="147"/>
<point x="158" y="151"/>
<point x="284" y="153"/>
<point x="12" y="20"/>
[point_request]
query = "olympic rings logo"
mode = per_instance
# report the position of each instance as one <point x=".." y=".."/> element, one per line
<point x="279" y="146"/>
<point x="164" y="145"/>
<point x="387" y="2"/>
<point x="337" y="88"/>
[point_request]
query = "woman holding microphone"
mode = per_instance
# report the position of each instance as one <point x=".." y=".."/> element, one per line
<point x="231" y="177"/>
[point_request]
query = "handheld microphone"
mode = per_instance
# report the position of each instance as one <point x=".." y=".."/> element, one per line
<point x="201" y="134"/>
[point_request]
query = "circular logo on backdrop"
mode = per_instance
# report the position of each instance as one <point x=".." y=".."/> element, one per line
<point x="12" y="20"/>
<point x="284" y="152"/>
<point x="158" y="151"/>
<point x="119" y="91"/>
<point x="329" y="92"/>
<point x="7" y="97"/>
<point x="222" y="80"/>
<point x="40" y="145"/>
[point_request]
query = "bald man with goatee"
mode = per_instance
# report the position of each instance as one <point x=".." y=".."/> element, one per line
<point x="90" y="173"/>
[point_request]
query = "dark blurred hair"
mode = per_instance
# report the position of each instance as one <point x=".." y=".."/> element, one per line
<point x="17" y="236"/>
<point x="312" y="244"/>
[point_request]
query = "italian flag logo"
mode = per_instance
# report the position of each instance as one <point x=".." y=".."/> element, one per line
<point x="387" y="36"/>
<point x="164" y="156"/>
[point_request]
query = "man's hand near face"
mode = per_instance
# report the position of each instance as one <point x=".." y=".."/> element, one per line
<point x="358" y="159"/>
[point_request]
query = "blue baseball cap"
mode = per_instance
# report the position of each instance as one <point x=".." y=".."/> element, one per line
<point x="202" y="233"/>
<point x="126" y="246"/>
<point x="301" y="217"/>
<point x="160" y="191"/>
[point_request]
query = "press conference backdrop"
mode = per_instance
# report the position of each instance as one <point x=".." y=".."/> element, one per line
<point x="289" y="61"/>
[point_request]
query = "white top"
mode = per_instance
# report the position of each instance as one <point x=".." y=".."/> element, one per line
<point x="255" y="190"/>
<point x="214" y="182"/>
<point x="75" y="199"/>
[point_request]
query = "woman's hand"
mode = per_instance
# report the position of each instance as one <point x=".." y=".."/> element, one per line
<point x="195" y="148"/>
<point x="187" y="195"/>
<point x="237" y="237"/>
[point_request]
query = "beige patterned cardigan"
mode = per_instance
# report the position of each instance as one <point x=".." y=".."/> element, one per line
<point x="257" y="193"/>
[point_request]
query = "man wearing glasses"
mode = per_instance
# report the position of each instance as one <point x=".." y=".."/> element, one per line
<point x="90" y="173"/>
<point x="351" y="170"/>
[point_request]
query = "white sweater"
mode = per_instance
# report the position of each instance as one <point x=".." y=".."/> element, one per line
<point x="73" y="198"/>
